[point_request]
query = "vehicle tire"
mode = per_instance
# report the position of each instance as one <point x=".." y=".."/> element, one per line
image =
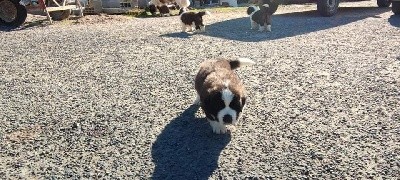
<point x="273" y="5"/>
<point x="12" y="13"/>
<point x="396" y="7"/>
<point x="383" y="3"/>
<point x="60" y="15"/>
<point x="327" y="7"/>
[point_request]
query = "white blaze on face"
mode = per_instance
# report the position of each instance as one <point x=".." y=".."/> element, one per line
<point x="227" y="97"/>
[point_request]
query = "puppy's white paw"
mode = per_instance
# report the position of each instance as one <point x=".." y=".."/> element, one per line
<point x="218" y="128"/>
<point x="268" y="28"/>
<point x="262" y="28"/>
<point x="202" y="28"/>
<point x="197" y="101"/>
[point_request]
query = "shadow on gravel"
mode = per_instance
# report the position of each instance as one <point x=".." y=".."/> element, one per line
<point x="177" y="35"/>
<point x="26" y="25"/>
<point x="187" y="149"/>
<point x="290" y="24"/>
<point x="6" y="28"/>
<point x="394" y="21"/>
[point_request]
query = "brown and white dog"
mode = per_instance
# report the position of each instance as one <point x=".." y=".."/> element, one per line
<point x="193" y="21"/>
<point x="161" y="5"/>
<point x="220" y="92"/>
<point x="260" y="17"/>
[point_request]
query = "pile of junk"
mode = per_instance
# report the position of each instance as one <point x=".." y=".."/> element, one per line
<point x="13" y="13"/>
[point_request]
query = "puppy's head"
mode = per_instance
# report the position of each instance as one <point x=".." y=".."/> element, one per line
<point x="252" y="9"/>
<point x="224" y="105"/>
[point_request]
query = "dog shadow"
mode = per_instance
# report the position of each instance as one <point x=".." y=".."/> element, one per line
<point x="394" y="21"/>
<point x="183" y="35"/>
<point x="187" y="148"/>
<point x="289" y="24"/>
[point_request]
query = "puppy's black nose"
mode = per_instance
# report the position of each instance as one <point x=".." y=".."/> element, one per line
<point x="227" y="119"/>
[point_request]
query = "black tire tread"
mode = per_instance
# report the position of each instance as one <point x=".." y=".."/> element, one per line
<point x="20" y="18"/>
<point x="60" y="15"/>
<point x="383" y="3"/>
<point x="396" y="7"/>
<point x="324" y="9"/>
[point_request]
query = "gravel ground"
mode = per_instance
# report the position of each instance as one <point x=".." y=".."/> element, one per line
<point x="112" y="99"/>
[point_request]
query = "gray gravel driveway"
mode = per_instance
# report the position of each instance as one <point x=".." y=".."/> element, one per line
<point x="113" y="99"/>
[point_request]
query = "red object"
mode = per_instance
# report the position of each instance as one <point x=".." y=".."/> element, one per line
<point x="42" y="4"/>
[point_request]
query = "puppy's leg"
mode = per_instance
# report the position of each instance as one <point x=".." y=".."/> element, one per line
<point x="217" y="127"/>
<point x="261" y="28"/>
<point x="197" y="101"/>
<point x="183" y="27"/>
<point x="202" y="28"/>
<point x="253" y="24"/>
<point x="269" y="28"/>
<point x="268" y="23"/>
<point x="193" y="27"/>
<point x="189" y="28"/>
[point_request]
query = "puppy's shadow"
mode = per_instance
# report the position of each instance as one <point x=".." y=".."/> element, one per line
<point x="187" y="148"/>
<point x="394" y="21"/>
<point x="183" y="35"/>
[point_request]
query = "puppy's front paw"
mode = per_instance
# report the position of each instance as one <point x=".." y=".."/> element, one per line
<point x="217" y="127"/>
<point x="197" y="101"/>
<point x="268" y="28"/>
<point x="203" y="29"/>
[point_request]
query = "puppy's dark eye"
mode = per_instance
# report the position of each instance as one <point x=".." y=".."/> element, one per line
<point x="213" y="104"/>
<point x="236" y="104"/>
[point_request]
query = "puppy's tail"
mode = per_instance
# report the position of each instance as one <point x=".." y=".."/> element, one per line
<point x="202" y="13"/>
<point x="240" y="62"/>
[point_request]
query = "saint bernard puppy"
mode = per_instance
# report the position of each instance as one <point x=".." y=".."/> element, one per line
<point x="161" y="5"/>
<point x="220" y="93"/>
<point x="260" y="17"/>
<point x="193" y="21"/>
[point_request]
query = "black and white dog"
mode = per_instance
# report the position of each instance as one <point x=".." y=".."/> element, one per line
<point x="260" y="17"/>
<point x="220" y="92"/>
<point x="193" y="21"/>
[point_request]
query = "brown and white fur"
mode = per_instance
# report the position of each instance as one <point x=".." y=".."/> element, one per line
<point x="220" y="92"/>
<point x="260" y="17"/>
<point x="193" y="21"/>
<point x="161" y="5"/>
<point x="183" y="5"/>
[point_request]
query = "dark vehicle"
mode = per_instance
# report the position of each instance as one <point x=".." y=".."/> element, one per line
<point x="327" y="7"/>
<point x="396" y="7"/>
